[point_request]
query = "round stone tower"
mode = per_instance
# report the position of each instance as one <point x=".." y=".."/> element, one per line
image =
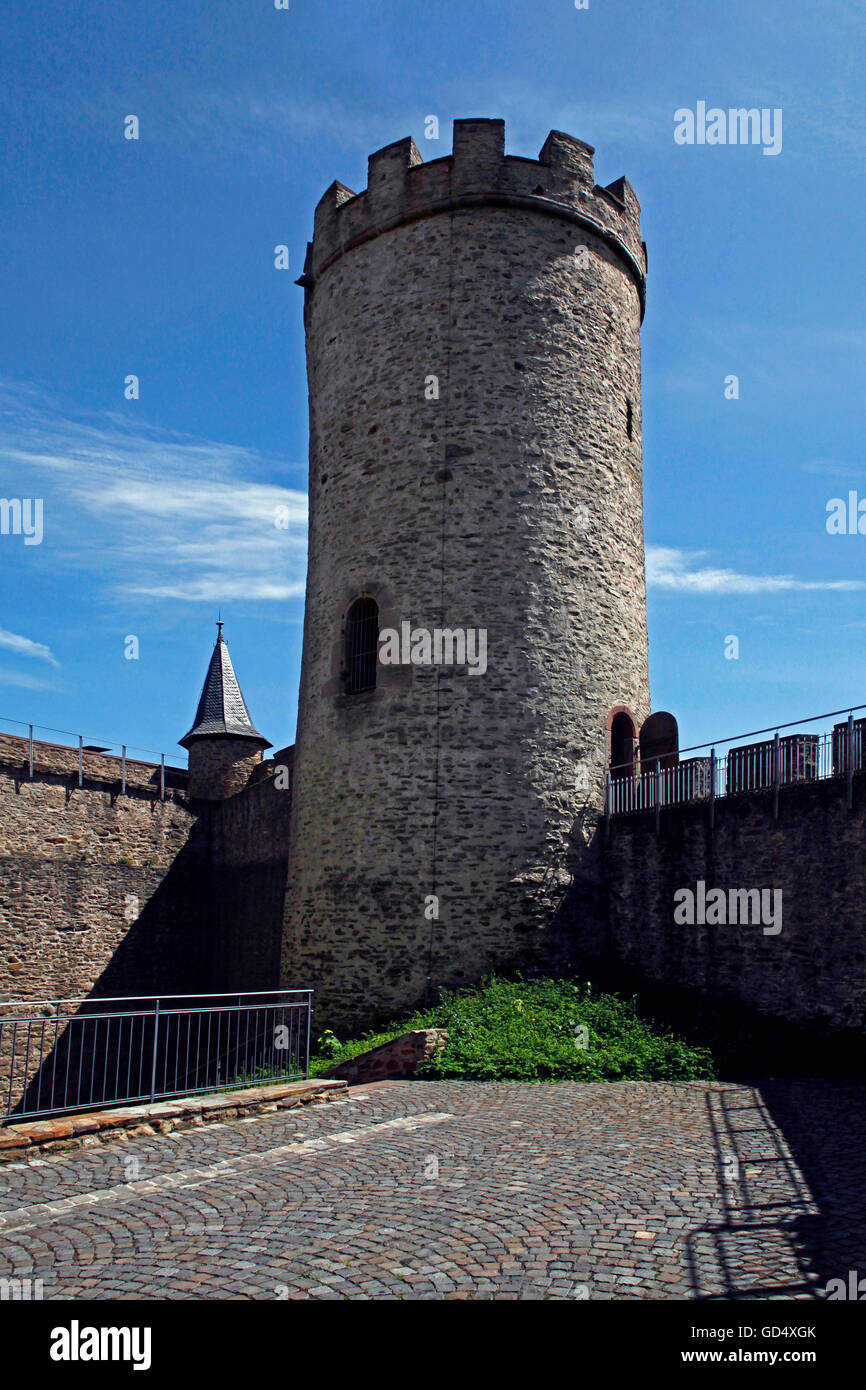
<point x="475" y="594"/>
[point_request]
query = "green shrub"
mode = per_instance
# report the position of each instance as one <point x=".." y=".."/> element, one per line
<point x="328" y="1044"/>
<point x="540" y="1030"/>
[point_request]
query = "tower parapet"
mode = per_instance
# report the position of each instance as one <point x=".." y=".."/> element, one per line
<point x="401" y="189"/>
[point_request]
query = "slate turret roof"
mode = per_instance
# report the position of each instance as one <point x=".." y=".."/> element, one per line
<point x="222" y="710"/>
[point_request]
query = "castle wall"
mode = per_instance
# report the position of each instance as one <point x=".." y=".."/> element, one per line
<point x="473" y="342"/>
<point x="812" y="974"/>
<point x="111" y="894"/>
<point x="513" y="504"/>
<point x="93" y="884"/>
<point x="99" y="893"/>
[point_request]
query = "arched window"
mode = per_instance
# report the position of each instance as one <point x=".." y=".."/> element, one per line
<point x="622" y="738"/>
<point x="362" y="640"/>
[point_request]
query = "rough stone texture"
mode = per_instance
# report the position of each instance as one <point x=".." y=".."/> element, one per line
<point x="395" y="1059"/>
<point x="109" y="894"/>
<point x="221" y="766"/>
<point x="813" y="974"/>
<point x="249" y="836"/>
<point x="93" y="884"/>
<point x="99" y="891"/>
<point x="513" y="503"/>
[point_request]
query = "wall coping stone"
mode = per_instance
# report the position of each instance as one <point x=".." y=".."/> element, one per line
<point x="20" y="1140"/>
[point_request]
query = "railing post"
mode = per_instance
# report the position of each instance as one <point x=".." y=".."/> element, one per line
<point x="80" y="760"/>
<point x="155" y="1040"/>
<point x="30" y="752"/>
<point x="123" y="772"/>
<point x="777" y="774"/>
<point x="712" y="787"/>
<point x="309" y="1020"/>
<point x="607" y="796"/>
<point x="162" y="779"/>
<point x="849" y="770"/>
<point x="658" y="794"/>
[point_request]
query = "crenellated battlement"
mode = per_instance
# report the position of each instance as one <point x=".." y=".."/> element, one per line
<point x="402" y="189"/>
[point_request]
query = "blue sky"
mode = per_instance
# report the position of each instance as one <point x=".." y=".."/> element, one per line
<point x="155" y="257"/>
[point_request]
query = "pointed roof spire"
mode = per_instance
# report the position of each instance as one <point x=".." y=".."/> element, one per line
<point x="222" y="710"/>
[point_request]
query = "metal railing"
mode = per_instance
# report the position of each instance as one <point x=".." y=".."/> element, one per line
<point x="765" y="766"/>
<point x="63" y="1055"/>
<point x="98" y="749"/>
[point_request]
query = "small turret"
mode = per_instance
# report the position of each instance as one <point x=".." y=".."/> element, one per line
<point x="224" y="745"/>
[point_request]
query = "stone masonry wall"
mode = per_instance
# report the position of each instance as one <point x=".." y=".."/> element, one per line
<point x="393" y="1060"/>
<point x="105" y="894"/>
<point x="99" y="891"/>
<point x="92" y="882"/>
<point x="249" y="837"/>
<point x="812" y="975"/>
<point x="221" y="767"/>
<point x="512" y="502"/>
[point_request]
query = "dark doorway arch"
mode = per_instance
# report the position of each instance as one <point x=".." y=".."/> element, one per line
<point x="622" y="741"/>
<point x="659" y="740"/>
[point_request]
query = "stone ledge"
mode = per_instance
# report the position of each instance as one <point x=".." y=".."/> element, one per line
<point x="102" y="1126"/>
<point x="391" y="1061"/>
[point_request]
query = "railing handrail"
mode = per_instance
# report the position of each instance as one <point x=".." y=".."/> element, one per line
<point x="149" y="1013"/>
<point x="771" y="729"/>
<point x="177" y="765"/>
<point x="121" y="998"/>
<point x="798" y="759"/>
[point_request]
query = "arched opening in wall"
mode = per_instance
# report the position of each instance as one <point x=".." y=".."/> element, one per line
<point x="361" y="650"/>
<point x="622" y="741"/>
<point x="659" y="740"/>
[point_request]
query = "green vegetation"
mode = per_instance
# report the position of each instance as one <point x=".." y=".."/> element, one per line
<point x="537" y="1030"/>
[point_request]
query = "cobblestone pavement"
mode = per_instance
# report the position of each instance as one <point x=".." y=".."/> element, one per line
<point x="463" y="1189"/>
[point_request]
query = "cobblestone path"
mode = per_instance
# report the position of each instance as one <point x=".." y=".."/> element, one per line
<point x="463" y="1189"/>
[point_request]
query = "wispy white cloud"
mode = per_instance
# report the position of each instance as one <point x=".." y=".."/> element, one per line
<point x="24" y="646"/>
<point x="153" y="513"/>
<point x="24" y="681"/>
<point x="682" y="571"/>
<point x="772" y="358"/>
<point x="833" y="468"/>
<point x="260" y="121"/>
<point x="261" y="126"/>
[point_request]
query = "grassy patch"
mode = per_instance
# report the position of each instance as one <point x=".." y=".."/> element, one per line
<point x="538" y="1030"/>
